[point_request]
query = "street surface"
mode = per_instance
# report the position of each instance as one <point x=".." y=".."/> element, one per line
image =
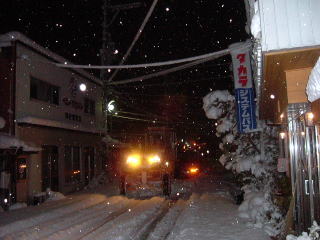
<point x="201" y="209"/>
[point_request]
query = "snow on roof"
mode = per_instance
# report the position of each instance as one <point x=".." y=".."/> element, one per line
<point x="313" y="86"/>
<point x="109" y="140"/>
<point x="57" y="124"/>
<point x="17" y="36"/>
<point x="7" y="142"/>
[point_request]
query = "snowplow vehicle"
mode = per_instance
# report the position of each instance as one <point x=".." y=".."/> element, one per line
<point x="148" y="170"/>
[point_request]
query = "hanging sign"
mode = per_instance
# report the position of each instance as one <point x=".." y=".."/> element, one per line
<point x="246" y="116"/>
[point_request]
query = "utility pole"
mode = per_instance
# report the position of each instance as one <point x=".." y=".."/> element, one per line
<point x="107" y="50"/>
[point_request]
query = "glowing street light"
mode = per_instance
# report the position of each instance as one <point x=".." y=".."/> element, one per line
<point x="82" y="87"/>
<point x="111" y="107"/>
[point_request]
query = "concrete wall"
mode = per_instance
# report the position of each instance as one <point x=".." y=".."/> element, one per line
<point x="31" y="63"/>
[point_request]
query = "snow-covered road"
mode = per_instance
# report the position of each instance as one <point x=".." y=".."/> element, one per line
<point x="206" y="212"/>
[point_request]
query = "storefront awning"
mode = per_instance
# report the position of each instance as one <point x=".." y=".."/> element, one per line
<point x="285" y="76"/>
<point x="13" y="143"/>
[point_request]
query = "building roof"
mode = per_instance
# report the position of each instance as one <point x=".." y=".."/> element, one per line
<point x="7" y="38"/>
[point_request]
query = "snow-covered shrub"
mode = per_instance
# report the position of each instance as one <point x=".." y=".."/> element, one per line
<point x="251" y="156"/>
<point x="313" y="235"/>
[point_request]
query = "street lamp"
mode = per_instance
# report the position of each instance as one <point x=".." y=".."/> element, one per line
<point x="82" y="87"/>
<point x="111" y="107"/>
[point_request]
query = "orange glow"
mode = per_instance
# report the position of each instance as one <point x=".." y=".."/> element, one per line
<point x="23" y="166"/>
<point x="76" y="172"/>
<point x="134" y="160"/>
<point x="310" y="116"/>
<point x="193" y="170"/>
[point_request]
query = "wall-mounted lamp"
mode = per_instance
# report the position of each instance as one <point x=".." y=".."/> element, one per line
<point x="111" y="107"/>
<point x="309" y="116"/>
<point x="281" y="116"/>
<point x="82" y="87"/>
<point x="282" y="135"/>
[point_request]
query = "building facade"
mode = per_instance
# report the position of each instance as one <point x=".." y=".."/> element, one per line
<point x="43" y="106"/>
<point x="286" y="49"/>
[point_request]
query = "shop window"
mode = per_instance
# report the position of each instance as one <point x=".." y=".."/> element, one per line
<point x="44" y="91"/>
<point x="72" y="164"/>
<point x="89" y="106"/>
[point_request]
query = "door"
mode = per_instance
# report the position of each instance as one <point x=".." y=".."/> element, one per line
<point x="50" y="168"/>
<point x="304" y="162"/>
<point x="21" y="176"/>
<point x="7" y="178"/>
<point x="88" y="164"/>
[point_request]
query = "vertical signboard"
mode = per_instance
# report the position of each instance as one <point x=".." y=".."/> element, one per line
<point x="246" y="117"/>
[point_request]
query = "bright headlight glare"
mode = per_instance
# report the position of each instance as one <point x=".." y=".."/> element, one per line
<point x="154" y="159"/>
<point x="134" y="160"/>
<point x="193" y="170"/>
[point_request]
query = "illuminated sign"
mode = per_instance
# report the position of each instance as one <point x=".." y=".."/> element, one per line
<point x="246" y="117"/>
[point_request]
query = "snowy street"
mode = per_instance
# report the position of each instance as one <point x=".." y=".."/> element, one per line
<point x="197" y="210"/>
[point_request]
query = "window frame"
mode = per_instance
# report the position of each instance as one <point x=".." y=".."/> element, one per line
<point x="50" y="92"/>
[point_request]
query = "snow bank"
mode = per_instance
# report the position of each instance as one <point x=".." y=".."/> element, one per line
<point x="17" y="206"/>
<point x="54" y="196"/>
<point x="96" y="181"/>
<point x="313" y="235"/>
<point x="255" y="207"/>
<point x="313" y="86"/>
<point x="212" y="216"/>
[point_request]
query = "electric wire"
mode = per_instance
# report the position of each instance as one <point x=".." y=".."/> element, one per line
<point x="170" y="70"/>
<point x="135" y="38"/>
<point x="143" y="65"/>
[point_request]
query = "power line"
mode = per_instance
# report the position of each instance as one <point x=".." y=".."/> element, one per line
<point x="138" y="119"/>
<point x="171" y="70"/>
<point x="174" y="83"/>
<point x="143" y="65"/>
<point x="135" y="38"/>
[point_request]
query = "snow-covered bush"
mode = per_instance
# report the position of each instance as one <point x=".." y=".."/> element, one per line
<point x="251" y="156"/>
<point x="313" y="235"/>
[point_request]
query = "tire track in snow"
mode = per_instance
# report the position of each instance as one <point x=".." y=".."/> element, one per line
<point x="148" y="226"/>
<point x="21" y="225"/>
<point x="165" y="226"/>
<point x="126" y="225"/>
<point x="33" y="211"/>
<point x="84" y="228"/>
<point x="66" y="221"/>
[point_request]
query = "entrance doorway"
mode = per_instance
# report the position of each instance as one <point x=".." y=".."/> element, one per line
<point x="304" y="145"/>
<point x="7" y="179"/>
<point x="50" y="168"/>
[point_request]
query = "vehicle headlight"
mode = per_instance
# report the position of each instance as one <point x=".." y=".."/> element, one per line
<point x="194" y="170"/>
<point x="134" y="160"/>
<point x="154" y="159"/>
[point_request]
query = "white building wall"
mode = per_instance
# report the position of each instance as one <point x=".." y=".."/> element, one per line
<point x="289" y="23"/>
<point x="30" y="63"/>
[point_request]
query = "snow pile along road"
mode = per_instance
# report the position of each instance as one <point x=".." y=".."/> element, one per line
<point x="213" y="216"/>
<point x="207" y="213"/>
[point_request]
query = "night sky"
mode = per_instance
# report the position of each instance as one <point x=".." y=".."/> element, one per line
<point x="176" y="29"/>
